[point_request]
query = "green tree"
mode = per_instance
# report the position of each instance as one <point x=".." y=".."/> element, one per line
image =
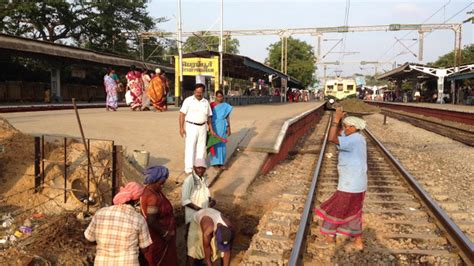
<point x="203" y="41"/>
<point x="447" y="60"/>
<point x="112" y="26"/>
<point x="48" y="20"/>
<point x="108" y="26"/>
<point x="301" y="60"/>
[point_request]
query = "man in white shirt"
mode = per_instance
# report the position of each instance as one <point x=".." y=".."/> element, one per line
<point x="194" y="121"/>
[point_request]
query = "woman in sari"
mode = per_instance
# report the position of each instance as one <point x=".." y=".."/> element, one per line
<point x="135" y="85"/>
<point x="221" y="125"/>
<point x="342" y="212"/>
<point x="157" y="91"/>
<point x="111" y="89"/>
<point x="158" y="213"/>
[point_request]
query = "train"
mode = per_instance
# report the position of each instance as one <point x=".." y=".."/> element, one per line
<point x="339" y="89"/>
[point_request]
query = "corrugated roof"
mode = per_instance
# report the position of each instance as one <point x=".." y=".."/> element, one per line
<point x="29" y="46"/>
<point x="243" y="67"/>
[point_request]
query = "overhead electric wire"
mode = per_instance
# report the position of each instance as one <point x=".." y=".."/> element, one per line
<point x="427" y="34"/>
<point x="408" y="33"/>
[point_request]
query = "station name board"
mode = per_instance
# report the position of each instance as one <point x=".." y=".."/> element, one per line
<point x="200" y="66"/>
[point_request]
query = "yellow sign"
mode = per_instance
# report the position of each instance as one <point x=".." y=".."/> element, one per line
<point x="197" y="66"/>
<point x="200" y="66"/>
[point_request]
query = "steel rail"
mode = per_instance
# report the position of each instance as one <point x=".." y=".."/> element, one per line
<point x="299" y="244"/>
<point x="444" y="114"/>
<point x="454" y="233"/>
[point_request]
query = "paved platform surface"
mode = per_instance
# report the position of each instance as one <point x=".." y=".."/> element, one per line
<point x="158" y="132"/>
<point x="446" y="106"/>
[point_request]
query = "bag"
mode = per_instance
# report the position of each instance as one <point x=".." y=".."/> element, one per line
<point x="128" y="97"/>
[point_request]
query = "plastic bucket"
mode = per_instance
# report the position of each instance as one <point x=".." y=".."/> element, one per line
<point x="141" y="158"/>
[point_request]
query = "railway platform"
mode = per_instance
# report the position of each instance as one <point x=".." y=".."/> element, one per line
<point x="254" y="127"/>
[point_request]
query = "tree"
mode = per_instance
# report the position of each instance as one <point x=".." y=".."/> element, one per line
<point x="108" y="26"/>
<point x="301" y="60"/>
<point x="203" y="41"/>
<point x="47" y="20"/>
<point x="112" y="26"/>
<point x="447" y="60"/>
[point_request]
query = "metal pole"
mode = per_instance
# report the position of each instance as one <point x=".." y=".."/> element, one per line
<point x="286" y="55"/>
<point x="86" y="147"/>
<point x="37" y="164"/>
<point x="180" y="52"/>
<point x="42" y="159"/>
<point x="281" y="61"/>
<point x="114" y="170"/>
<point x="421" y="38"/>
<point x="89" y="170"/>
<point x="65" y="170"/>
<point x="221" y="46"/>
<point x="457" y="46"/>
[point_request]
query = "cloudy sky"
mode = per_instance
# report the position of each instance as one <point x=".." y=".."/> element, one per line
<point x="367" y="46"/>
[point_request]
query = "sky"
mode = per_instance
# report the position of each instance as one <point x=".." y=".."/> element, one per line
<point x="200" y="15"/>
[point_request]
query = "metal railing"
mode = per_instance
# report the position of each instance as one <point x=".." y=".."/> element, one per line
<point x="305" y="222"/>
<point x="247" y="100"/>
<point x="454" y="234"/>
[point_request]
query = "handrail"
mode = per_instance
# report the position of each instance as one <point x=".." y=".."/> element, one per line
<point x="298" y="246"/>
<point x="454" y="233"/>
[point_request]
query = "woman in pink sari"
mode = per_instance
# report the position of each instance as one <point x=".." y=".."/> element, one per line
<point x="135" y="85"/>
<point x="111" y="89"/>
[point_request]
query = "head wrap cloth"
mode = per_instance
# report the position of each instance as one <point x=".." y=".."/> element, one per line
<point x="154" y="174"/>
<point x="131" y="191"/>
<point x="357" y="122"/>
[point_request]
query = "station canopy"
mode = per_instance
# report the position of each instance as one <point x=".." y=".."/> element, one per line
<point x="404" y="72"/>
<point x="40" y="49"/>
<point x="462" y="76"/>
<point x="242" y="67"/>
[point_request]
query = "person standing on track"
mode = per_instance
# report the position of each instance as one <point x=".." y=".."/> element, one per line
<point x="342" y="212"/>
<point x="194" y="121"/>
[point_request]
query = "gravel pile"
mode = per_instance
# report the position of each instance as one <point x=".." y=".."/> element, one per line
<point x="356" y="106"/>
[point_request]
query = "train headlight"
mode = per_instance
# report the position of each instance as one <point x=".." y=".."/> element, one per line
<point x="331" y="101"/>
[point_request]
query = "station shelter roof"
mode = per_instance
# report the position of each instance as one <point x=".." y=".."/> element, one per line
<point x="242" y="67"/>
<point x="404" y="72"/>
<point x="462" y="76"/>
<point x="42" y="49"/>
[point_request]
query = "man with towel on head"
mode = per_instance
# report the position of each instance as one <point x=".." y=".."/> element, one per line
<point x="119" y="230"/>
<point x="195" y="192"/>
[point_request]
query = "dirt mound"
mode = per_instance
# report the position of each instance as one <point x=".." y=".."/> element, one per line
<point x="16" y="152"/>
<point x="57" y="241"/>
<point x="356" y="106"/>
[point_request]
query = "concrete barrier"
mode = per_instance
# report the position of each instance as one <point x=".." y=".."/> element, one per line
<point x="290" y="132"/>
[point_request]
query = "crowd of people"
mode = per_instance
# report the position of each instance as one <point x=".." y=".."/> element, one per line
<point x="124" y="235"/>
<point x="144" y="91"/>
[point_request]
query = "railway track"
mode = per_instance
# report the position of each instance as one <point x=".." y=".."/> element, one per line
<point x="443" y="114"/>
<point x="402" y="223"/>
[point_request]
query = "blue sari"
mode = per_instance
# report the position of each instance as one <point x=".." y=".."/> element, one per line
<point x="220" y="113"/>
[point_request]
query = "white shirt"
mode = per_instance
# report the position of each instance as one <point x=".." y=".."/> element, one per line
<point x="214" y="214"/>
<point x="196" y="111"/>
<point x="196" y="191"/>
